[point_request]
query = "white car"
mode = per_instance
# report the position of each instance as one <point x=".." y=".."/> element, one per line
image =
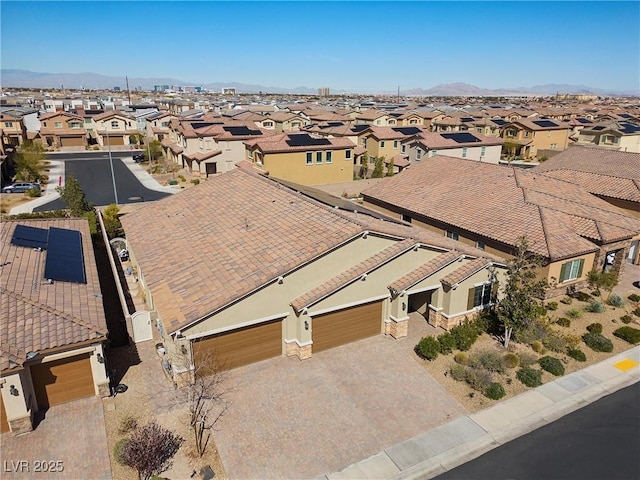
<point x="20" y="187"/>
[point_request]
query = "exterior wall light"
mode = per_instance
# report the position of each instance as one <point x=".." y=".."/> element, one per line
<point x="14" y="391"/>
<point x="100" y="358"/>
<point x="306" y="325"/>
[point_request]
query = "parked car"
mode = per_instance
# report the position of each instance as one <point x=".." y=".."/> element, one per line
<point x="20" y="187"/>
<point x="138" y="157"/>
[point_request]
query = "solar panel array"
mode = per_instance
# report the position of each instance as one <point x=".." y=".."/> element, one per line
<point x="65" y="260"/>
<point x="461" y="137"/>
<point x="467" y="119"/>
<point x="584" y="120"/>
<point x="241" y="130"/>
<point x="359" y="128"/>
<point x="598" y="128"/>
<point x="498" y="121"/>
<point x="407" y="130"/>
<point x="30" y="237"/>
<point x="545" y="123"/>
<point x="630" y="127"/>
<point x="197" y="125"/>
<point x="306" y="140"/>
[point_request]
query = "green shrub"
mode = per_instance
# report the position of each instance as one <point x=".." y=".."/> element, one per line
<point x="118" y="448"/>
<point x="567" y="300"/>
<point x="495" y="391"/>
<point x="428" y="347"/>
<point x="182" y="179"/>
<point x="577" y="354"/>
<point x="636" y="312"/>
<point x="465" y="336"/>
<point x="574" y="313"/>
<point x="594" y="328"/>
<point x="458" y="372"/>
<point x="461" y="357"/>
<point x="531" y="377"/>
<point x="552" y="306"/>
<point x="628" y="334"/>
<point x="626" y="319"/>
<point x="511" y="360"/>
<point x="447" y="343"/>
<point x="172" y="182"/>
<point x="195" y="181"/>
<point x="536" y="346"/>
<point x="536" y="330"/>
<point x="479" y="379"/>
<point x="555" y="342"/>
<point x="527" y="359"/>
<point x="598" y="342"/>
<point x="594" y="306"/>
<point x="563" y="322"/>
<point x="616" y="300"/>
<point x="634" y="297"/>
<point x="489" y="360"/>
<point x="552" y="365"/>
<point x="33" y="192"/>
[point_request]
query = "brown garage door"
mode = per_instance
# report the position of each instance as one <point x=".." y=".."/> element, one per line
<point x="4" y="424"/>
<point x="71" y="141"/>
<point x="345" y="326"/>
<point x="242" y="346"/>
<point x="113" y="140"/>
<point x="62" y="380"/>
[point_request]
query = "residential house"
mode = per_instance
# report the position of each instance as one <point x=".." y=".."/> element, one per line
<point x="623" y="136"/>
<point x="534" y="138"/>
<point x="493" y="207"/>
<point x="303" y="158"/>
<point x="375" y="117"/>
<point x="158" y="125"/>
<point x="114" y="128"/>
<point x="13" y="130"/>
<point x="387" y="141"/>
<point x="63" y="129"/>
<point x="255" y="269"/>
<point x="284" y="122"/>
<point x="53" y="321"/>
<point x="472" y="146"/>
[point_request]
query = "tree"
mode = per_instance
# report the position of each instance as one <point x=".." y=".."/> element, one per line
<point x="378" y="168"/>
<point x="155" y="150"/>
<point x="364" y="165"/>
<point x="73" y="195"/>
<point x="30" y="162"/>
<point x="112" y="223"/>
<point x="509" y="148"/>
<point x="603" y="280"/>
<point x="150" y="450"/>
<point x="136" y="138"/>
<point x="522" y="292"/>
<point x="390" y="168"/>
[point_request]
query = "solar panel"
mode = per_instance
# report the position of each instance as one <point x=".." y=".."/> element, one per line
<point x="461" y="137"/>
<point x="598" y="128"/>
<point x="335" y="124"/>
<point x="407" y="130"/>
<point x="65" y="259"/>
<point x="31" y="237"/>
<point x="630" y="128"/>
<point x="241" y="130"/>
<point x="359" y="128"/>
<point x="197" y="125"/>
<point x="584" y="120"/>
<point x="305" y="140"/>
<point x="625" y="115"/>
<point x="545" y="123"/>
<point x="467" y="119"/>
<point x="500" y="122"/>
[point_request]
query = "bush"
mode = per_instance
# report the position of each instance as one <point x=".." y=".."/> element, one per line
<point x="552" y="365"/>
<point x="536" y="346"/>
<point x="563" y="322"/>
<point x="127" y="424"/>
<point x="582" y="296"/>
<point x="465" y="336"/>
<point x="479" y="379"/>
<point x="487" y="322"/>
<point x="172" y="182"/>
<point x="428" y="347"/>
<point x="598" y="342"/>
<point x="447" y="343"/>
<point x="555" y="342"/>
<point x="636" y="312"/>
<point x="495" y="391"/>
<point x="574" y="313"/>
<point x="511" y="360"/>
<point x="594" y="328"/>
<point x="117" y="450"/>
<point x="626" y="319"/>
<point x="195" y="181"/>
<point x="489" y="360"/>
<point x="577" y="354"/>
<point x="552" y="306"/>
<point x="458" y="372"/>
<point x="628" y="334"/>
<point x="461" y="357"/>
<point x="527" y="359"/>
<point x="616" y="300"/>
<point x="181" y="178"/>
<point x="530" y="376"/>
<point x="594" y="306"/>
<point x="567" y="300"/>
<point x="634" y="297"/>
<point x="536" y="330"/>
<point x="33" y="192"/>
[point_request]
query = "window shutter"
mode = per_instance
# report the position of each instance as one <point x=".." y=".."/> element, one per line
<point x="470" y="298"/>
<point x="563" y="272"/>
<point x="580" y="266"/>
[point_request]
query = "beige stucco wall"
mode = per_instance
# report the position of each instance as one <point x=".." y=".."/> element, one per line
<point x="630" y="143"/>
<point x="552" y="271"/>
<point x="292" y="166"/>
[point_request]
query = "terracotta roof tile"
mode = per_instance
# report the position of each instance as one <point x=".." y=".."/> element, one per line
<point x="423" y="271"/>
<point x="465" y="271"/>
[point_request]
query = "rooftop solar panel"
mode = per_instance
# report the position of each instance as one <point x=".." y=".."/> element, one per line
<point x="545" y="123"/>
<point x="31" y="237"/>
<point x="498" y="121"/>
<point x="241" y="130"/>
<point x="197" y="125"/>
<point x="630" y="128"/>
<point x="467" y="119"/>
<point x="625" y="115"/>
<point x="598" y="128"/>
<point x="407" y="130"/>
<point x="65" y="259"/>
<point x="461" y="137"/>
<point x="335" y="124"/>
<point x="359" y="128"/>
<point x="584" y="120"/>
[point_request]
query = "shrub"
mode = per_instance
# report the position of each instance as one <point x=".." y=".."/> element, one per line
<point x="536" y="330"/>
<point x="555" y="342"/>
<point x="458" y="372"/>
<point x="626" y="319"/>
<point x="487" y="322"/>
<point x="636" y="312"/>
<point x="536" y="346"/>
<point x="495" y="391"/>
<point x="563" y="322"/>
<point x="489" y="360"/>
<point x="195" y="181"/>
<point x="594" y="328"/>
<point x="577" y="354"/>
<point x="479" y="379"/>
<point x="127" y="424"/>
<point x="552" y="365"/>
<point x="33" y="192"/>
<point x="172" y="182"/>
<point x="574" y="313"/>
<point x="530" y="376"/>
<point x="567" y="300"/>
<point x="461" y="357"/>
<point x="527" y="359"/>
<point x="594" y="306"/>
<point x="428" y="348"/>
<point x="628" y="334"/>
<point x="117" y="450"/>
<point x="616" y="300"/>
<point x="598" y="342"/>
<point x="552" y="306"/>
<point x="182" y="179"/>
<point x="634" y="297"/>
<point x="582" y="296"/>
<point x="511" y="360"/>
<point x="447" y="343"/>
<point x="465" y="336"/>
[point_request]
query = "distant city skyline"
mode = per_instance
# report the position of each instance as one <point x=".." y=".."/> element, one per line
<point x="353" y="46"/>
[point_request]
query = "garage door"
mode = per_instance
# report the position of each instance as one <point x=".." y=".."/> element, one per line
<point x="242" y="346"/>
<point x="4" y="424"/>
<point x="62" y="381"/>
<point x="345" y="326"/>
<point x="113" y="140"/>
<point x="71" y="141"/>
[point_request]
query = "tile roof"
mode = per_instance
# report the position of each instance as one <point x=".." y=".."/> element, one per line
<point x="424" y="271"/>
<point x="465" y="271"/>
<point x="435" y="140"/>
<point x="370" y="114"/>
<point x="278" y="143"/>
<point x="389" y="133"/>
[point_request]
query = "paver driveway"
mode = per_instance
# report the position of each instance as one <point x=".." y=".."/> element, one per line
<point x="292" y="419"/>
<point x="72" y="433"/>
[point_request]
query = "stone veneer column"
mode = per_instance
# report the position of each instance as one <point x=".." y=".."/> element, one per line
<point x="293" y="348"/>
<point x="397" y="325"/>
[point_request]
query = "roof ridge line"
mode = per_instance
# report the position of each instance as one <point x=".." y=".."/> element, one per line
<point x="544" y="229"/>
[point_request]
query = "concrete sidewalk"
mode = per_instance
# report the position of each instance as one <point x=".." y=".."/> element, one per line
<point x="465" y="438"/>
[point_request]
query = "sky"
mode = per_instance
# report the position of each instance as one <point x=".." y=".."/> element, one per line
<point x="353" y="46"/>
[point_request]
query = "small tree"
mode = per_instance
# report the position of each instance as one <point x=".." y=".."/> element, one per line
<point x="364" y="165"/>
<point x="522" y="292"/>
<point x="112" y="223"/>
<point x="30" y="162"/>
<point x="136" y="138"/>
<point x="603" y="280"/>
<point x="390" y="168"/>
<point x="150" y="450"/>
<point x="378" y="168"/>
<point x="154" y="150"/>
<point x="73" y="195"/>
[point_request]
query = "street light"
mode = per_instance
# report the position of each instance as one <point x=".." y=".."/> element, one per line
<point x="148" y="153"/>
<point x="113" y="177"/>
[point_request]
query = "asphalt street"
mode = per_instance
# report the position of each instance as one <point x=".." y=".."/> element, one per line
<point x="93" y="172"/>
<point x="599" y="441"/>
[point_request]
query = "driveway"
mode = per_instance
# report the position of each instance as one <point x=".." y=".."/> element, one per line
<point x="71" y="436"/>
<point x="293" y="419"/>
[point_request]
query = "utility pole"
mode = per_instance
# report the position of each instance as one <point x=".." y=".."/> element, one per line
<point x="113" y="176"/>
<point x="398" y="93"/>
<point x="128" y="91"/>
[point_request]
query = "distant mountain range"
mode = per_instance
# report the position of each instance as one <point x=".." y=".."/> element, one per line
<point x="91" y="81"/>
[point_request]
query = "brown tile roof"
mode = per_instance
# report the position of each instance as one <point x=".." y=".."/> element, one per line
<point x="370" y="114"/>
<point x="200" y="156"/>
<point x="529" y="125"/>
<point x="435" y="140"/>
<point x="423" y="271"/>
<point x="465" y="271"/>
<point x="278" y="143"/>
<point x="388" y="133"/>
<point x="111" y="113"/>
<point x="73" y="116"/>
<point x="401" y="160"/>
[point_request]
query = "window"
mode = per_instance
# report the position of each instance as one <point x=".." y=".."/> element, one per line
<point x="406" y="218"/>
<point x="554" y="146"/>
<point x="434" y="153"/>
<point x="347" y="154"/>
<point x="452" y="235"/>
<point x="44" y="124"/>
<point x="464" y="152"/>
<point x="309" y="158"/>
<point x="482" y="295"/>
<point x="609" y="139"/>
<point x="404" y="148"/>
<point x="58" y="124"/>
<point x="571" y="270"/>
<point x="381" y="143"/>
<point x="413" y="121"/>
<point x="526" y="134"/>
<point x="318" y="157"/>
<point x="114" y="124"/>
<point x="295" y="125"/>
<point x="480" y="245"/>
<point x="87" y="120"/>
<point x="418" y="154"/>
<point x="9" y="124"/>
<point x="327" y="157"/>
<point x="395" y="144"/>
<point x="483" y="151"/>
<point x="267" y="124"/>
<point x="75" y="124"/>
